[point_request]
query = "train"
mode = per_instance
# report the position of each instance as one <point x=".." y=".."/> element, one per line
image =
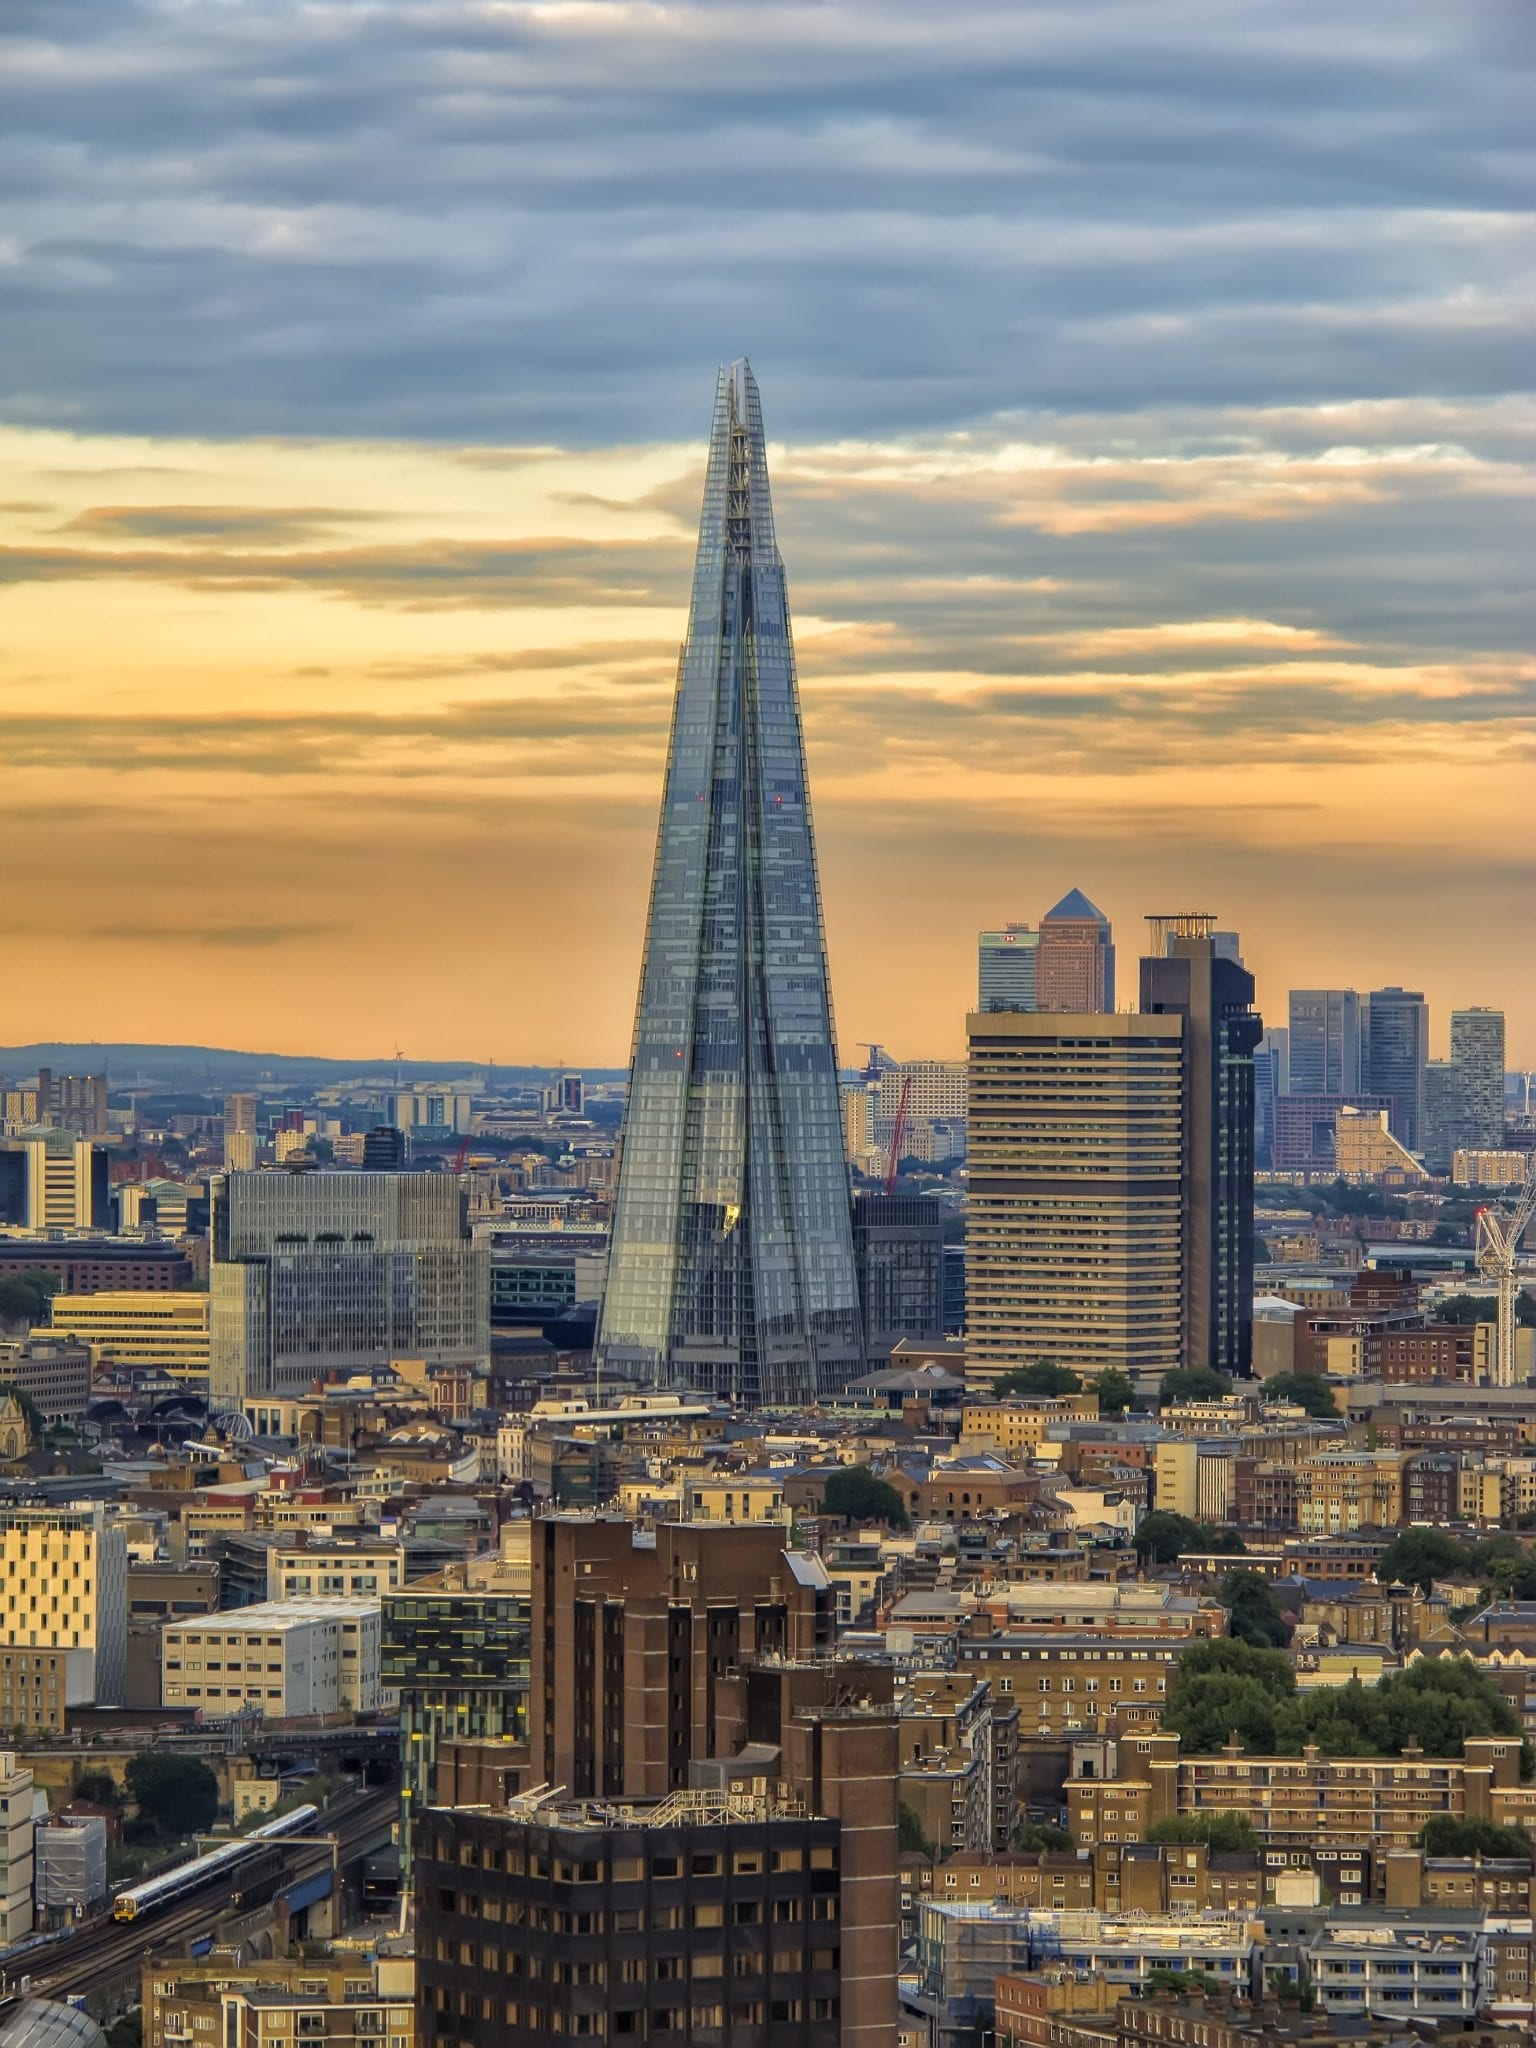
<point x="187" y="1877"/>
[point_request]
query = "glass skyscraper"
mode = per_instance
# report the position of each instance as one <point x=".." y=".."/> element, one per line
<point x="732" y="1265"/>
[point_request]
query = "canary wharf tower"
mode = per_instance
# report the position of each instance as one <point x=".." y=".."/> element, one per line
<point x="732" y="1264"/>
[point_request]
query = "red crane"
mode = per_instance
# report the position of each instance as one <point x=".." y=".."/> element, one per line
<point x="463" y="1154"/>
<point x="898" y="1132"/>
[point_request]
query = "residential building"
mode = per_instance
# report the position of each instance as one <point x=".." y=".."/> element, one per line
<point x="334" y="1567"/>
<point x="71" y="1867"/>
<point x="34" y="1691"/>
<point x="1304" y="1129"/>
<point x="1185" y="976"/>
<point x="1074" y="1678"/>
<point x="1477" y="1054"/>
<point x="1364" y="1149"/>
<point x="1497" y="1169"/>
<point x="1074" y="1216"/>
<point x="732" y="1267"/>
<point x="713" y="1915"/>
<point x="242" y="1140"/>
<point x="323" y="1272"/>
<point x="345" y="1999"/>
<point x="1398" y="1039"/>
<point x="1424" y="1964"/>
<point x="144" y="1330"/>
<point x="281" y="1658"/>
<point x="1324" y="1044"/>
<point x="633" y="1633"/>
<point x="17" y="1839"/>
<point x="1075" y="958"/>
<point x="898" y="1243"/>
<point x="1006" y="968"/>
<point x="1295" y="1803"/>
<point x="1021" y="1423"/>
<point x="64" y="1587"/>
<point x="54" y="1373"/>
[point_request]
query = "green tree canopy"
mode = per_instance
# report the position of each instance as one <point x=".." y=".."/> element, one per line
<point x="1420" y="1556"/>
<point x="24" y="1296"/>
<point x="96" y="1787"/>
<point x="1163" y="1536"/>
<point x="1115" y="1391"/>
<point x="1043" y="1377"/>
<point x="910" y="1838"/>
<point x="1307" y="1390"/>
<point x="1192" y="1383"/>
<point x="1256" y="1615"/>
<point x="1452" y="1834"/>
<point x="178" y="1794"/>
<point x="857" y="1495"/>
<point x="1039" y="1834"/>
<point x="1232" y="1832"/>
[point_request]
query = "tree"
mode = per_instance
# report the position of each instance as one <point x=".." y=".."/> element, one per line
<point x="1163" y="1536"/>
<point x="910" y="1838"/>
<point x="1224" y="1831"/>
<point x="24" y="1296"/>
<point x="179" y="1795"/>
<point x="1182" y="1982"/>
<point x="1043" y="1377"/>
<point x="1450" y="1834"/>
<point x="1192" y="1383"/>
<point x="858" y="1496"/>
<point x="1115" y="1391"/>
<point x="1420" y="1556"/>
<point x="1222" y="1686"/>
<point x="1307" y="1390"/>
<point x="1256" y="1615"/>
<point x="1039" y="1834"/>
<point x="97" y="1788"/>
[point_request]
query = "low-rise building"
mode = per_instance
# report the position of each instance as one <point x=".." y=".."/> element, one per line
<point x="283" y="1658"/>
<point x="150" y="1330"/>
<point x="53" y="1371"/>
<point x="351" y="1996"/>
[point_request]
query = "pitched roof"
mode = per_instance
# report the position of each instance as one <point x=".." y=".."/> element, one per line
<point x="1076" y="904"/>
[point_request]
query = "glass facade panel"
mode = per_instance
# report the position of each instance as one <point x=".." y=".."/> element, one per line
<point x="732" y="1264"/>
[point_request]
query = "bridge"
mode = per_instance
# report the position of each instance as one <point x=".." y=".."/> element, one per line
<point x="105" y="1951"/>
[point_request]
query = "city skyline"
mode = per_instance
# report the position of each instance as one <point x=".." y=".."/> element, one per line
<point x="1158" y="532"/>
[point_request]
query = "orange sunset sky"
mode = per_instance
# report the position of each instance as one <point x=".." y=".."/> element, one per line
<point x="1156" y="514"/>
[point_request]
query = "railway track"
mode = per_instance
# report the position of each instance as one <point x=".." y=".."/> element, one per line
<point x="107" y="1948"/>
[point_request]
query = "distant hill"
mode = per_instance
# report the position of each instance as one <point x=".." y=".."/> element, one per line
<point x="208" y="1066"/>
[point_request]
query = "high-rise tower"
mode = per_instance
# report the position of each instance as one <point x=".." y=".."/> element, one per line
<point x="732" y="1263"/>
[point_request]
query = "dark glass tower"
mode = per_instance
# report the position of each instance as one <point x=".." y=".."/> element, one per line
<point x="732" y="1262"/>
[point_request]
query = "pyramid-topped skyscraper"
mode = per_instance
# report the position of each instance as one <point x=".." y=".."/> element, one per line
<point x="732" y="1264"/>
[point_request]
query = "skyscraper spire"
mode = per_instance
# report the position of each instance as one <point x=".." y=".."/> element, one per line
<point x="732" y="1262"/>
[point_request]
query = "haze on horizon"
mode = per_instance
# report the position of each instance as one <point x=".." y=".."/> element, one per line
<point x="1151" y="433"/>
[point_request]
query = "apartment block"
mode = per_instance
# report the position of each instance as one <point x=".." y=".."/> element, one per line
<point x="53" y="1372"/>
<point x="17" y="1840"/>
<point x="1074" y="1227"/>
<point x="335" y="2001"/>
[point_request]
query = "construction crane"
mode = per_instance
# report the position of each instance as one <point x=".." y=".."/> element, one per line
<point x="463" y="1154"/>
<point x="898" y="1132"/>
<point x="1498" y="1248"/>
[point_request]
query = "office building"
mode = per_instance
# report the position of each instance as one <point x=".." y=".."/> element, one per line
<point x="1075" y="958"/>
<point x="85" y="1265"/>
<point x="242" y="1139"/>
<point x="1477" y="1054"/>
<point x="54" y="1372"/>
<point x="634" y="1633"/>
<point x="1398" y="1039"/>
<point x="156" y="1204"/>
<point x="565" y="1095"/>
<point x="1006" y="968"/>
<point x="428" y="1111"/>
<point x="333" y="1272"/>
<point x="927" y="1098"/>
<point x="278" y="1658"/>
<point x="732" y="1265"/>
<point x="1074" y="1221"/>
<point x="716" y="1915"/>
<point x="898" y="1241"/>
<point x="64" y="1587"/>
<point x="1324" y="1041"/>
<point x="455" y="1656"/>
<point x="53" y="1181"/>
<point x="17" y="1840"/>
<point x="148" y="1331"/>
<point x="1184" y="976"/>
<point x="384" y="1149"/>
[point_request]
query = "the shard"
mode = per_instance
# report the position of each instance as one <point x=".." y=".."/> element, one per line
<point x="732" y="1265"/>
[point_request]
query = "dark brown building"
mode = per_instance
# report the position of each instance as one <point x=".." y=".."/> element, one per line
<point x="706" y="1919"/>
<point x="87" y="1265"/>
<point x="635" y="1632"/>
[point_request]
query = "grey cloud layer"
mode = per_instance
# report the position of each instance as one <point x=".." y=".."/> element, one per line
<point x="466" y="221"/>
